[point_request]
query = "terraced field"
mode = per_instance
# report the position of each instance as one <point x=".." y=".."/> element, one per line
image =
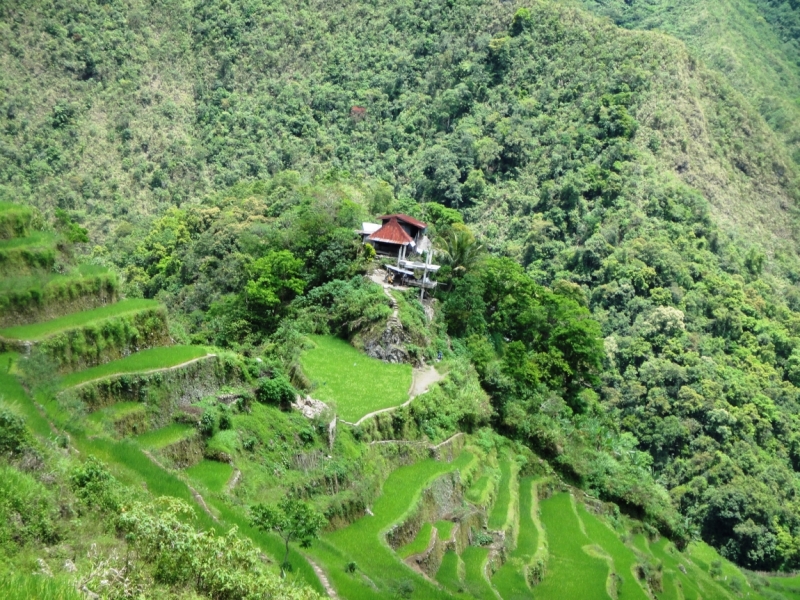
<point x="39" y="331"/>
<point x="163" y="357"/>
<point x="356" y="383"/>
<point x="380" y="571"/>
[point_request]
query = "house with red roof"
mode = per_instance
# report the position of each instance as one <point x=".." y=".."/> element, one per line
<point x="397" y="236"/>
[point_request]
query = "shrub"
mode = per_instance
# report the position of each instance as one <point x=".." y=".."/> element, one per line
<point x="96" y="486"/>
<point x="277" y="391"/>
<point x="13" y="436"/>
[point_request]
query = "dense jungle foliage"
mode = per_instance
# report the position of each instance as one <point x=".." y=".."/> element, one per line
<point x="629" y="299"/>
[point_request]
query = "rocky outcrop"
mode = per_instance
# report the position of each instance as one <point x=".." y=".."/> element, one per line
<point x="390" y="345"/>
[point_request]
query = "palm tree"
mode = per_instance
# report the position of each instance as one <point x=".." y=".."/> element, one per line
<point x="460" y="251"/>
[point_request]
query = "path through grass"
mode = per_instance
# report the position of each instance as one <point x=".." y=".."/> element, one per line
<point x="37" y="331"/>
<point x="146" y="360"/>
<point x="357" y="383"/>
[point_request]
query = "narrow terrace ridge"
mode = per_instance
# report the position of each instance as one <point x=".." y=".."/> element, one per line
<point x="39" y="331"/>
<point x="153" y="359"/>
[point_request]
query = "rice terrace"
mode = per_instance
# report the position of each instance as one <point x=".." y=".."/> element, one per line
<point x="440" y="300"/>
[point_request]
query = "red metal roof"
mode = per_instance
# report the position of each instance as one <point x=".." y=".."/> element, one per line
<point x="391" y="233"/>
<point x="405" y="219"/>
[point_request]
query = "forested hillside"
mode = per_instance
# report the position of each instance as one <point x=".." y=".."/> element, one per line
<point x="612" y="189"/>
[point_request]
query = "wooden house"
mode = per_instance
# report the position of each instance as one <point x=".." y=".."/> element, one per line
<point x="398" y="236"/>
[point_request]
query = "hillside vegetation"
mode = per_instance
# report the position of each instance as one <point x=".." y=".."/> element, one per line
<point x="617" y="315"/>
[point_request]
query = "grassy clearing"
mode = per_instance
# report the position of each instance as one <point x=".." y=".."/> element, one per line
<point x="689" y="584"/>
<point x="475" y="582"/>
<point x="37" y="331"/>
<point x="510" y="579"/>
<point x="166" y="436"/>
<point x="704" y="555"/>
<point x="18" y="285"/>
<point x="419" y="543"/>
<point x="789" y="587"/>
<point x="567" y="557"/>
<point x="503" y="509"/>
<point x="40" y="587"/>
<point x="146" y="360"/>
<point x="362" y="542"/>
<point x="211" y="474"/>
<point x="623" y="557"/>
<point x="444" y="529"/>
<point x="357" y="383"/>
<point x="450" y="573"/>
<point x="13" y="396"/>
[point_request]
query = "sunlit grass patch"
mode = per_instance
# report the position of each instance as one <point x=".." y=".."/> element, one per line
<point x="37" y="331"/>
<point x="146" y="360"/>
<point x="211" y="474"/>
<point x="39" y="587"/>
<point x="357" y="383"/>
<point x="450" y="573"/>
<point x="475" y="581"/>
<point x="503" y="505"/>
<point x="567" y="557"/>
<point x="419" y="544"/>
<point x="444" y="529"/>
<point x="166" y="436"/>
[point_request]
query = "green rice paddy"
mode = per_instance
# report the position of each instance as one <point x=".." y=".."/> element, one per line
<point x="510" y="578"/>
<point x="211" y="474"/>
<point x="450" y="572"/>
<point x="146" y="360"/>
<point x="444" y="529"/>
<point x="475" y="582"/>
<point x="503" y="509"/>
<point x="37" y="331"/>
<point x="166" y="436"/>
<point x="362" y="542"/>
<point x="419" y="544"/>
<point x="357" y="383"/>
<point x="567" y="558"/>
<point x="36" y="239"/>
<point x="26" y="587"/>
<point x="480" y="492"/>
<point x="116" y="412"/>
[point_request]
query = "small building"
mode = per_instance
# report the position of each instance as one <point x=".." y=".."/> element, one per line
<point x="397" y="236"/>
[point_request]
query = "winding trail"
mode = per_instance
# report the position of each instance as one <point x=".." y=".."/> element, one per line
<point x="421" y="380"/>
<point x="323" y="579"/>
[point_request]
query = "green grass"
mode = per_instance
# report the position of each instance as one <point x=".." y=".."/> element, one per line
<point x="16" y="285"/>
<point x="789" y="587"/>
<point x="363" y="543"/>
<point x="571" y="572"/>
<point x="480" y="491"/>
<point x="116" y="411"/>
<point x="449" y="573"/>
<point x="419" y="543"/>
<point x="475" y="582"/>
<point x="444" y="529"/>
<point x="510" y="579"/>
<point x="37" y="331"/>
<point x="146" y="360"/>
<point x="37" y="587"/>
<point x="13" y="396"/>
<point x="166" y="436"/>
<point x="36" y="239"/>
<point x="357" y="383"/>
<point x="503" y="508"/>
<point x="623" y="557"/>
<point x="213" y="475"/>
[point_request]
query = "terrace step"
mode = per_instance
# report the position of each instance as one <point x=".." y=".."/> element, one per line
<point x="41" y="297"/>
<point x="28" y="255"/>
<point x="476" y="583"/>
<point x="179" y="444"/>
<point x="92" y="337"/>
<point x="15" y="220"/>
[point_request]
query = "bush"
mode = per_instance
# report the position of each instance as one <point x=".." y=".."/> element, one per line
<point x="13" y="436"/>
<point x="277" y="391"/>
<point x="96" y="486"/>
